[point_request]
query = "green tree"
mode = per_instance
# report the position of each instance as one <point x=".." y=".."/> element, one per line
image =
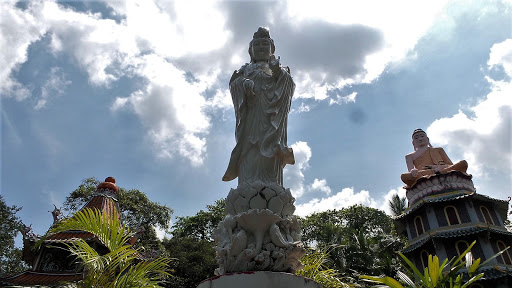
<point x="363" y="240"/>
<point x="195" y="261"/>
<point x="397" y="204"/>
<point x="192" y="245"/>
<point x="201" y="225"/>
<point x="137" y="210"/>
<point x="10" y="224"/>
<point x="122" y="265"/>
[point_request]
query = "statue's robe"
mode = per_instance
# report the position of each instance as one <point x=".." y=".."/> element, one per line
<point x="432" y="157"/>
<point x="261" y="150"/>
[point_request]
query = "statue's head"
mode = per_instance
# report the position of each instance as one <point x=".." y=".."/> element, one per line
<point x="261" y="46"/>
<point x="420" y="139"/>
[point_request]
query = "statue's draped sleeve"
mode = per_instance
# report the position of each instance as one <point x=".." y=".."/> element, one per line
<point x="275" y="140"/>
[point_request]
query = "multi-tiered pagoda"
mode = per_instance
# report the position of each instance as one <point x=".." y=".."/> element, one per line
<point x="445" y="214"/>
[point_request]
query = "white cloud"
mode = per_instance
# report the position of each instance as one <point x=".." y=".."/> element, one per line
<point x="351" y="98"/>
<point x="220" y="100"/>
<point x="345" y="198"/>
<point x="54" y="86"/>
<point x="18" y="30"/>
<point x="320" y="185"/>
<point x="161" y="41"/>
<point x="399" y="33"/>
<point x="501" y="56"/>
<point x="484" y="138"/>
<point x="304" y="108"/>
<point x="171" y="109"/>
<point x="100" y="46"/>
<point x="293" y="174"/>
<point x="182" y="21"/>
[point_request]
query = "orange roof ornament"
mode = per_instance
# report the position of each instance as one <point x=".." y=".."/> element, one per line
<point x="108" y="184"/>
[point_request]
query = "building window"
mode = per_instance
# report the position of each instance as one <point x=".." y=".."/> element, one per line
<point x="461" y="246"/>
<point x="487" y="215"/>
<point x="506" y="255"/>
<point x="452" y="216"/>
<point x="418" y="222"/>
<point x="424" y="258"/>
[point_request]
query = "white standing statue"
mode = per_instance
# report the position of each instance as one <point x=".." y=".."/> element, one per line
<point x="262" y="94"/>
<point x="260" y="231"/>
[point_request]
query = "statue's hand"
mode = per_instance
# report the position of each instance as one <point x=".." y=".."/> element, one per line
<point x="414" y="172"/>
<point x="275" y="66"/>
<point x="249" y="86"/>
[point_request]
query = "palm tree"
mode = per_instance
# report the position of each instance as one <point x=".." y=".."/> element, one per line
<point x="122" y="265"/>
<point x="316" y="266"/>
<point x="397" y="205"/>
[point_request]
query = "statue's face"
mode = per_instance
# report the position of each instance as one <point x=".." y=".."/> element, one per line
<point x="420" y="139"/>
<point x="261" y="50"/>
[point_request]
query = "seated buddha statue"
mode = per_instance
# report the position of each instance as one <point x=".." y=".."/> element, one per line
<point x="426" y="160"/>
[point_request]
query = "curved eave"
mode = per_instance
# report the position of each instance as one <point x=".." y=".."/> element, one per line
<point x="454" y="231"/>
<point x="433" y="198"/>
<point x="36" y="278"/>
<point x="501" y="205"/>
<point x="497" y="271"/>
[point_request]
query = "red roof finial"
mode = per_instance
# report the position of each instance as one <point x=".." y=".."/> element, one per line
<point x="110" y="183"/>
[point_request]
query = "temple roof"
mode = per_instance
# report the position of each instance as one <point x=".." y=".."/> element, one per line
<point x="496" y="271"/>
<point x="454" y="231"/>
<point x="104" y="200"/>
<point x="501" y="206"/>
<point x="41" y="278"/>
<point x="69" y="236"/>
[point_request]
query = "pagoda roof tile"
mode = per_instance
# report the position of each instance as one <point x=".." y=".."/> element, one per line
<point x="41" y="278"/>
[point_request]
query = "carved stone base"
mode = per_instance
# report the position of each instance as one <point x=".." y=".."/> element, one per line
<point x="260" y="232"/>
<point x="259" y="279"/>
<point x="439" y="183"/>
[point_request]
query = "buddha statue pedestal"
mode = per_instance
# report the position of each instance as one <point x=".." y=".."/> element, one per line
<point x="260" y="232"/>
<point x="439" y="183"/>
<point x="259" y="279"/>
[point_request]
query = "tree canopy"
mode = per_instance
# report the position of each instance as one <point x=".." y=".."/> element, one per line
<point x="201" y="225"/>
<point x="137" y="210"/>
<point x="362" y="240"/>
<point x="192" y="245"/>
<point x="10" y="224"/>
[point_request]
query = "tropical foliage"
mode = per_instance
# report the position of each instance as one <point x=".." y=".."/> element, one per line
<point x="448" y="274"/>
<point x="397" y="205"/>
<point x="361" y="240"/>
<point x="121" y="265"/>
<point x="10" y="224"/>
<point x="317" y="266"/>
<point x="192" y="245"/>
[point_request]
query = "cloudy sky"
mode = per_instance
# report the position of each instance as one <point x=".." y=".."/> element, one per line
<point x="138" y="90"/>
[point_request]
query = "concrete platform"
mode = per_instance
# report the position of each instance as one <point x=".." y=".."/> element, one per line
<point x="259" y="279"/>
